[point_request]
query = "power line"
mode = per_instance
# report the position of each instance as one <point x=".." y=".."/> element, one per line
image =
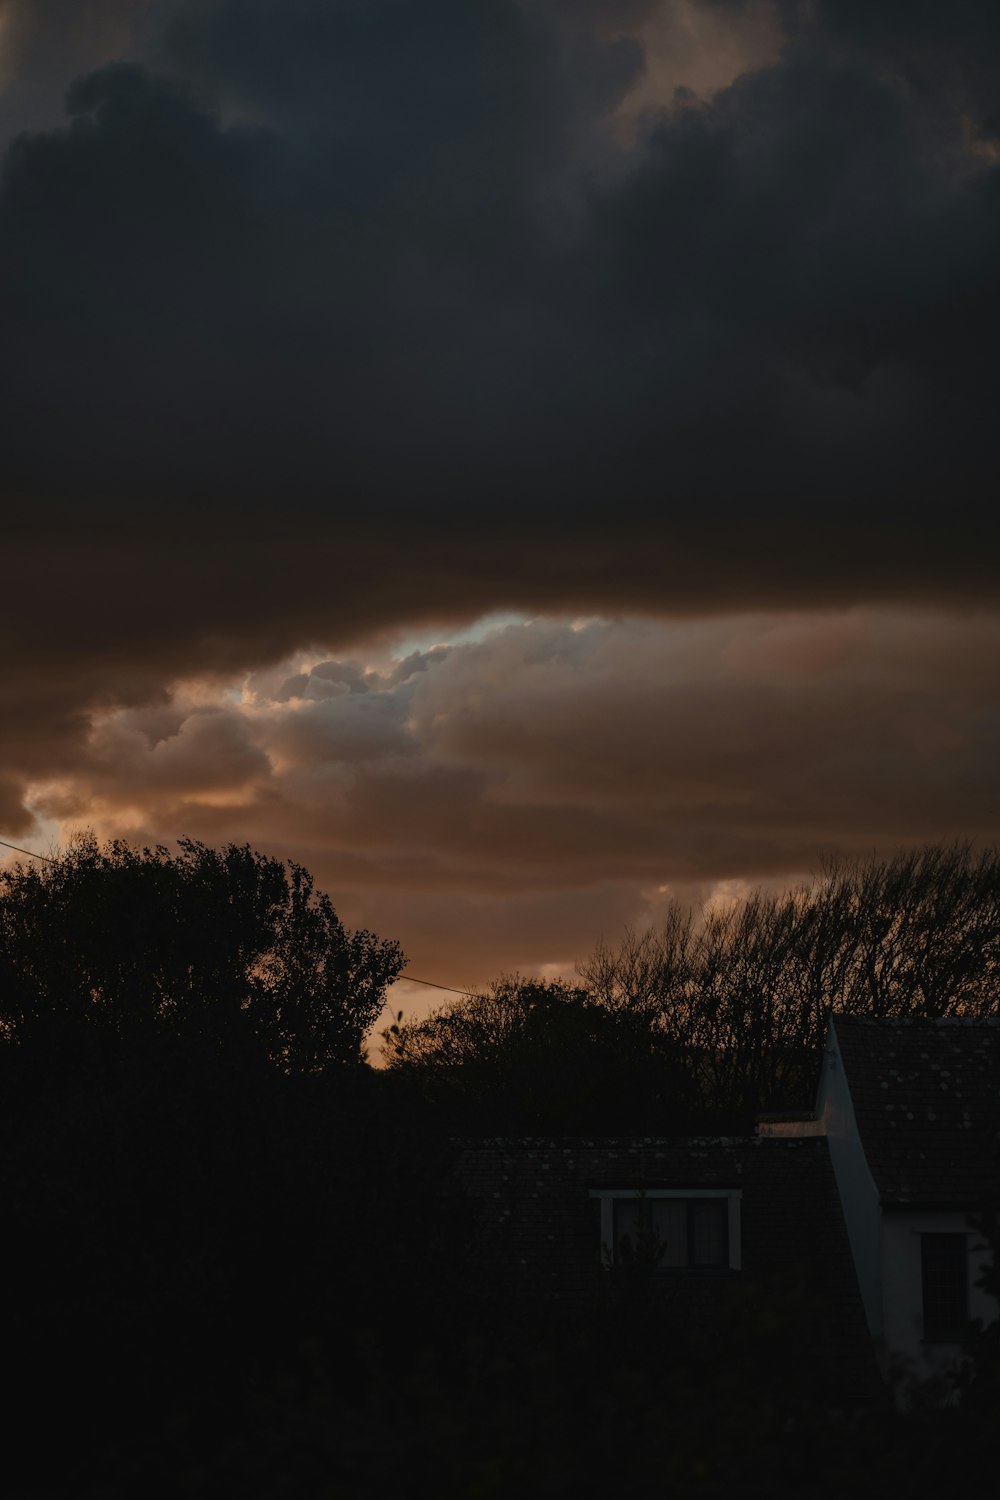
<point x="412" y="979"/>
<point x="30" y="852"/>
<point x="408" y="978"/>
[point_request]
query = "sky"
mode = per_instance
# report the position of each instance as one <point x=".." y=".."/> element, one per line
<point x="528" y="461"/>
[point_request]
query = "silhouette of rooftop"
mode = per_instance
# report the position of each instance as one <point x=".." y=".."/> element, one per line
<point x="926" y="1095"/>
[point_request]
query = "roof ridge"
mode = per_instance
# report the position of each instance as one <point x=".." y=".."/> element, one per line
<point x="962" y="1022"/>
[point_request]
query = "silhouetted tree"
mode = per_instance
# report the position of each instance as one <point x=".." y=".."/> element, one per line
<point x="197" y="1175"/>
<point x="745" y="993"/>
<point x="540" y="1056"/>
<point x="226" y="950"/>
<point x="717" y="1016"/>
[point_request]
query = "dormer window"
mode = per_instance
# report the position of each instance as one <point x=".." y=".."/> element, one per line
<point x="683" y="1229"/>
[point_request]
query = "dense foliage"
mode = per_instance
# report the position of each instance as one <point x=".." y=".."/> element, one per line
<point x="721" y="1015"/>
<point x="126" y="951"/>
<point x="543" y="1057"/>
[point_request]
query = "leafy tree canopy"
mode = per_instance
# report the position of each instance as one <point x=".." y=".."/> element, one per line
<point x="721" y="1014"/>
<point x="227" y="950"/>
<point x="541" y="1056"/>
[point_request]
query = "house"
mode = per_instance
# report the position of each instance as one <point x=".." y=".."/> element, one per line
<point x="868" y="1203"/>
<point x="557" y="1216"/>
<point x="910" y="1111"/>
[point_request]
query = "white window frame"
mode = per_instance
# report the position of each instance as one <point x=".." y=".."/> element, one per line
<point x="732" y="1196"/>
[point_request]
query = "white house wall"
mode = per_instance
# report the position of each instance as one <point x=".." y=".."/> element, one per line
<point x="858" y="1194"/>
<point x="903" y="1292"/>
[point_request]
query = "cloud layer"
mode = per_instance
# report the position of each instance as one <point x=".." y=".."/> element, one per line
<point x="323" y="320"/>
<point x="505" y="801"/>
<point x="379" y="264"/>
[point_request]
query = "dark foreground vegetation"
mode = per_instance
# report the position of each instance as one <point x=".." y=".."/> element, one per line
<point x="232" y="1261"/>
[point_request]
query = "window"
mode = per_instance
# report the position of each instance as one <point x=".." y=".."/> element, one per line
<point x="945" y="1280"/>
<point x="696" y="1230"/>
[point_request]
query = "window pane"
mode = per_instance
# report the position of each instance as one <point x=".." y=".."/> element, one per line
<point x="628" y="1222"/>
<point x="656" y="1228"/>
<point x="669" y="1216"/>
<point x="945" y="1287"/>
<point x="672" y="1233"/>
<point x="710" y="1232"/>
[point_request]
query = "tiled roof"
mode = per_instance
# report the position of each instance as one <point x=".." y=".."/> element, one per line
<point x="926" y="1095"/>
<point x="538" y="1228"/>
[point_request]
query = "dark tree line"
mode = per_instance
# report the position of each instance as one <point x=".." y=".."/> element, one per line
<point x="543" y="1057"/>
<point x="199" y="1174"/>
<point x="123" y="950"/>
<point x="718" y="1016"/>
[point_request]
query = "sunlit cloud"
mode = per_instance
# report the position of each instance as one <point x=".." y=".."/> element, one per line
<point x="505" y="796"/>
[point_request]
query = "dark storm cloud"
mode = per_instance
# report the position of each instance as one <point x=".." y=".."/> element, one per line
<point x="46" y="43"/>
<point x="413" y="269"/>
<point x="319" y="316"/>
